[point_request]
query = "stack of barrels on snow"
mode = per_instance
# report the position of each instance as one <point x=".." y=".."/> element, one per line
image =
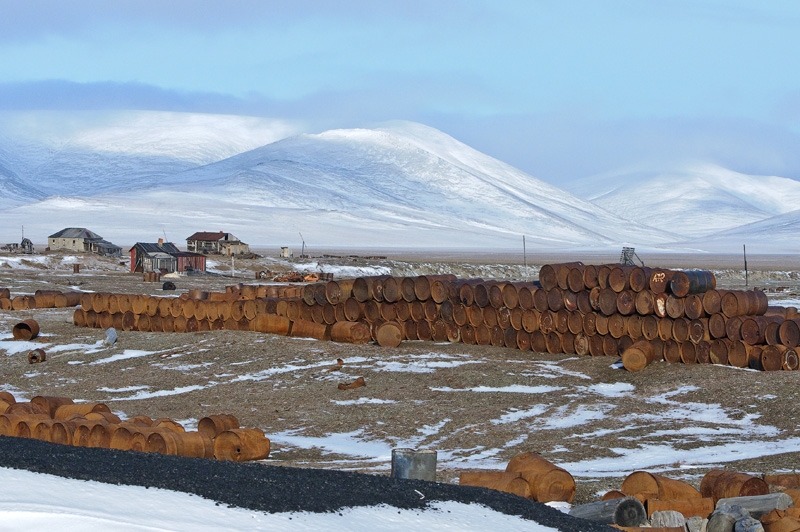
<point x="40" y="299"/>
<point x="60" y="420"/>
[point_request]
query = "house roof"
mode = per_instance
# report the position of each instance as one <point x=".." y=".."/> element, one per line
<point x="154" y="247"/>
<point x="76" y="232"/>
<point x="204" y="236"/>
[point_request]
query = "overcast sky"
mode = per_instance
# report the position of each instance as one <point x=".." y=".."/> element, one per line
<point x="562" y="89"/>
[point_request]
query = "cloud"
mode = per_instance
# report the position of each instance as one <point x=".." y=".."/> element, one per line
<point x="556" y="147"/>
<point x="67" y="95"/>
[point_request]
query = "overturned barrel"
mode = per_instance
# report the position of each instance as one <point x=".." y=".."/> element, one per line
<point x="25" y="330"/>
<point x="547" y="482"/>
<point x="240" y="445"/>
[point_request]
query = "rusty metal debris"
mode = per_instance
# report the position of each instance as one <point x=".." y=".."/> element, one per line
<point x="358" y="383"/>
<point x="36" y="356"/>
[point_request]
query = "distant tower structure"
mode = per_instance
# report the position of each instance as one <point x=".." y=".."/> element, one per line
<point x="627" y="255"/>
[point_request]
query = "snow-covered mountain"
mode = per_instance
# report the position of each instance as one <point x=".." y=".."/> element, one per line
<point x="403" y="185"/>
<point x="138" y="176"/>
<point x="695" y="201"/>
<point x="85" y="153"/>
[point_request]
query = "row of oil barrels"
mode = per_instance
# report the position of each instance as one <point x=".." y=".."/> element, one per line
<point x="713" y="326"/>
<point x="60" y="420"/>
<point x="576" y="276"/>
<point x="151" y="277"/>
<point x="40" y="299"/>
<point x="474" y="312"/>
<point x="573" y="277"/>
<point x="350" y="332"/>
<point x="178" y="314"/>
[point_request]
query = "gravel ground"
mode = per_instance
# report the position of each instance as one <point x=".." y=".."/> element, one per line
<point x="417" y="395"/>
<point x="268" y="488"/>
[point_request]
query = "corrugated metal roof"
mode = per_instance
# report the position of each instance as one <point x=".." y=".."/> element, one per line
<point x="166" y="247"/>
<point x="76" y="232"/>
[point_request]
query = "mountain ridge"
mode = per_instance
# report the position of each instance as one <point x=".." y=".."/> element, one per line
<point x="402" y="184"/>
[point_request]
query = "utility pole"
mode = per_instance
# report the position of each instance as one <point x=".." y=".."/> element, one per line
<point x="524" y="257"/>
<point x="744" y="249"/>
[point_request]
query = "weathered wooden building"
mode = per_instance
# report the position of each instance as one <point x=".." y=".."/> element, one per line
<point x="216" y="243"/>
<point x="164" y="257"/>
<point x="82" y="240"/>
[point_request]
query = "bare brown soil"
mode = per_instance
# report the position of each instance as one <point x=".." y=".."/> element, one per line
<point x="411" y="395"/>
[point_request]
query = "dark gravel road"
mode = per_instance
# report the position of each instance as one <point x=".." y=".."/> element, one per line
<point x="264" y="487"/>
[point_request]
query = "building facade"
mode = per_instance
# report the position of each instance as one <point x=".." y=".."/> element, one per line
<point x="220" y="243"/>
<point x="164" y="257"/>
<point x="81" y="240"/>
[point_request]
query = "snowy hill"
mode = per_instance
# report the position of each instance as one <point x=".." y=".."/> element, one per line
<point x="695" y="201"/>
<point x="777" y="234"/>
<point x="136" y="176"/>
<point x="404" y="185"/>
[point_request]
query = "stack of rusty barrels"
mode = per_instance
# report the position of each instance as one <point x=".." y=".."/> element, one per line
<point x="260" y="308"/>
<point x="658" y="314"/>
<point x="440" y="308"/>
<point x="151" y="277"/>
<point x="650" y="313"/>
<point x="60" y="420"/>
<point x="40" y="299"/>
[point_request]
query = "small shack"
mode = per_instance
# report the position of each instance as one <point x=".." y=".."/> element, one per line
<point x="219" y="243"/>
<point x="164" y="257"/>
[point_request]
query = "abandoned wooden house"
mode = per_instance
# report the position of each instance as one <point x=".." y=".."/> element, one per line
<point x="216" y="243"/>
<point x="164" y="257"/>
<point x="82" y="240"/>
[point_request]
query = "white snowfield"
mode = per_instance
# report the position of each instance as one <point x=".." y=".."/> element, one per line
<point x="135" y="175"/>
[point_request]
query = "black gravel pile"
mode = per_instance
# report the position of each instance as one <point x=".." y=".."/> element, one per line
<point x="264" y="487"/>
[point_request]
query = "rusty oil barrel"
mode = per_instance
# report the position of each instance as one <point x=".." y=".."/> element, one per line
<point x="547" y="482"/>
<point x="721" y="484"/>
<point x="25" y="330"/>
<point x="353" y="332"/>
<point x="240" y="445"/>
<point x="688" y="282"/>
